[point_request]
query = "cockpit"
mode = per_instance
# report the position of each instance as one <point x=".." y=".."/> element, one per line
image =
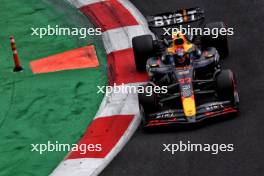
<point x="176" y="60"/>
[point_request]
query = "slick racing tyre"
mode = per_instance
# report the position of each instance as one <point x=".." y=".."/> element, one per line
<point x="143" y="47"/>
<point x="148" y="100"/>
<point x="147" y="104"/>
<point x="220" y="42"/>
<point x="225" y="82"/>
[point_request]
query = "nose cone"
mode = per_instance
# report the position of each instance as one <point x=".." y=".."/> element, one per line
<point x="189" y="107"/>
<point x="191" y="119"/>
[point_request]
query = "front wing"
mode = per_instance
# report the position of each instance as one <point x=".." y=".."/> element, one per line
<point x="176" y="116"/>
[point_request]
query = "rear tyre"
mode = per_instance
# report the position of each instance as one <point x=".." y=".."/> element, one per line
<point x="225" y="82"/>
<point x="143" y="47"/>
<point x="220" y="43"/>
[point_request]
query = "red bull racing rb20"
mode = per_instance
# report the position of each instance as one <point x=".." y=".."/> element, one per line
<point x="198" y="87"/>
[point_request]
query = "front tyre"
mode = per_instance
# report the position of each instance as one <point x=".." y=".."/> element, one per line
<point x="148" y="103"/>
<point x="225" y="85"/>
<point x="148" y="99"/>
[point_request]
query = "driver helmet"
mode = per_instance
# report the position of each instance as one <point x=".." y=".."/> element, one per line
<point x="178" y="41"/>
<point x="178" y="38"/>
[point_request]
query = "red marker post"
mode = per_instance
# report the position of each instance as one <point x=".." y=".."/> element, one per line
<point x="18" y="66"/>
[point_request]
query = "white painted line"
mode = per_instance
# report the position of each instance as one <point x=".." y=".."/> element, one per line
<point x="121" y="38"/>
<point x="78" y="167"/>
<point x="119" y="104"/>
<point x="81" y="3"/>
<point x="137" y="15"/>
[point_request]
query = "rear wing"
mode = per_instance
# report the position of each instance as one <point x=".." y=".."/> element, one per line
<point x="177" y="17"/>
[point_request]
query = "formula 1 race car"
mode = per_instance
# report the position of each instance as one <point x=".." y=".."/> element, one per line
<point x="197" y="87"/>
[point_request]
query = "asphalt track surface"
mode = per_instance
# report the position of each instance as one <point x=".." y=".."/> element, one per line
<point x="143" y="155"/>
